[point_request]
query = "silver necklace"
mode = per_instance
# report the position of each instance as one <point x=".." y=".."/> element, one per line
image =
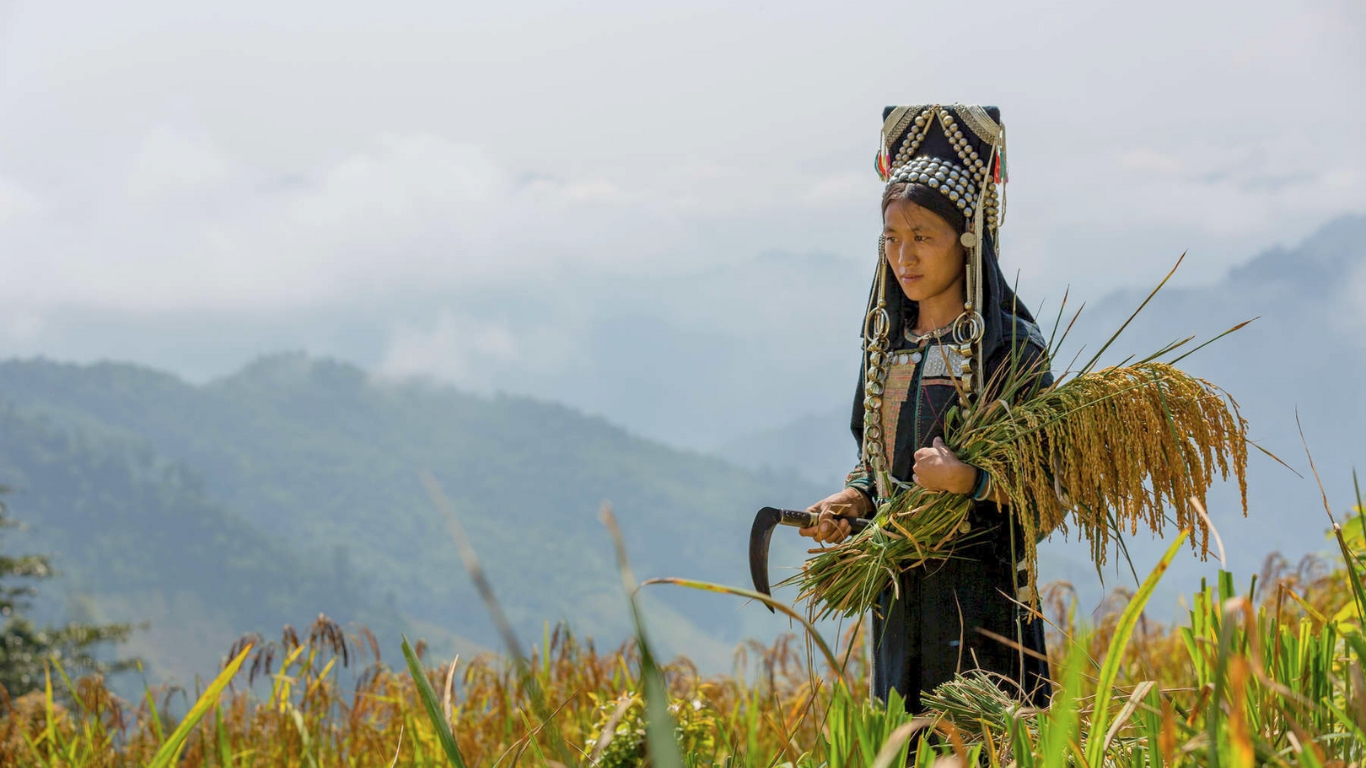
<point x="919" y="339"/>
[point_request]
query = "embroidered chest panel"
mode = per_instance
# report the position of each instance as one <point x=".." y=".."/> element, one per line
<point x="942" y="365"/>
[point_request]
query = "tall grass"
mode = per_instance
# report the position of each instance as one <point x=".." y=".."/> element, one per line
<point x="1267" y="674"/>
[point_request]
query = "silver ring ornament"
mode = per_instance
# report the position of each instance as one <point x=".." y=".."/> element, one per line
<point x="968" y="328"/>
<point x="881" y="322"/>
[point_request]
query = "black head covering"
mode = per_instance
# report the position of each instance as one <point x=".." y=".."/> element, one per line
<point x="952" y="158"/>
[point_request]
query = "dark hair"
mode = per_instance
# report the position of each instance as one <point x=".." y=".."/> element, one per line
<point x="926" y="198"/>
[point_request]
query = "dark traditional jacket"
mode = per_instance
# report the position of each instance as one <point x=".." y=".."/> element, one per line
<point x="953" y="616"/>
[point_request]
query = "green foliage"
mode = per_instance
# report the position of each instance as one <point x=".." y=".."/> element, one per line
<point x="133" y="534"/>
<point x="857" y="730"/>
<point x="26" y="648"/>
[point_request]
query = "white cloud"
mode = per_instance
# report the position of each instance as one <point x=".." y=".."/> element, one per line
<point x="842" y="189"/>
<point x="169" y="162"/>
<point x="1150" y="160"/>
<point x="188" y="226"/>
<point x="15" y="202"/>
<point x="20" y="326"/>
<point x="471" y="351"/>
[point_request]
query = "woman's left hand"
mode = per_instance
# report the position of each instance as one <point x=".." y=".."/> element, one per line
<point x="937" y="468"/>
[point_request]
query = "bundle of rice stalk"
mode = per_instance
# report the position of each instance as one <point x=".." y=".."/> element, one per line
<point x="976" y="704"/>
<point x="1103" y="451"/>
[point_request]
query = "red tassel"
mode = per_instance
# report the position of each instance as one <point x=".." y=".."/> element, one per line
<point x="996" y="174"/>
<point x="883" y="169"/>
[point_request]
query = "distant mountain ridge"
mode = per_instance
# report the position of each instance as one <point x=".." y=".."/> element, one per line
<point x="320" y="460"/>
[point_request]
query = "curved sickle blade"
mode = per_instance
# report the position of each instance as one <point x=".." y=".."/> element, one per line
<point x="760" y="534"/>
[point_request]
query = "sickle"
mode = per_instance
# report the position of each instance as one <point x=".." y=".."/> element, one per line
<point x="761" y="533"/>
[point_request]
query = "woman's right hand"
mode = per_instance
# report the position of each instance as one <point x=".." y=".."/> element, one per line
<point x="834" y="511"/>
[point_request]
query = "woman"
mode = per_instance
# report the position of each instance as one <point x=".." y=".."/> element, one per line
<point x="943" y="329"/>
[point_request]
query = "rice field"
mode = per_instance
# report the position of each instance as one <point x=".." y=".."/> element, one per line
<point x="1264" y="673"/>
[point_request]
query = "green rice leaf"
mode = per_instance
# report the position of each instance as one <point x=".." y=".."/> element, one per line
<point x="1095" y="743"/>
<point x="433" y="707"/>
<point x="169" y="753"/>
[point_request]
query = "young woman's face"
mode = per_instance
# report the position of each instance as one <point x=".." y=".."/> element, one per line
<point x="923" y="251"/>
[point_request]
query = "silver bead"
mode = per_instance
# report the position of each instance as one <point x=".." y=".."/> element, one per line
<point x="933" y="182"/>
<point x="916" y="357"/>
<point x="953" y="195"/>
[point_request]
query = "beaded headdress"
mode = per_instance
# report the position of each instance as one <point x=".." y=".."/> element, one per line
<point x="959" y="152"/>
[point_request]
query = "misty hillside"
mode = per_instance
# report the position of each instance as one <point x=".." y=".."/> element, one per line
<point x="135" y="538"/>
<point x="298" y="468"/>
<point x="817" y="447"/>
<point x="1306" y="353"/>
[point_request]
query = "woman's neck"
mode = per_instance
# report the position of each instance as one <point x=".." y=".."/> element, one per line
<point x="938" y="311"/>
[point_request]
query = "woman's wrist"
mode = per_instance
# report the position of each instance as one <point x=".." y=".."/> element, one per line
<point x="860" y="501"/>
<point x="966" y="480"/>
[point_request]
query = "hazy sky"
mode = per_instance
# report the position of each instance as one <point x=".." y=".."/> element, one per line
<point x="650" y="211"/>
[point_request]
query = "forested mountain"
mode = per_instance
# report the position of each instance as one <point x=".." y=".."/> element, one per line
<point x="134" y="537"/>
<point x="292" y="488"/>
